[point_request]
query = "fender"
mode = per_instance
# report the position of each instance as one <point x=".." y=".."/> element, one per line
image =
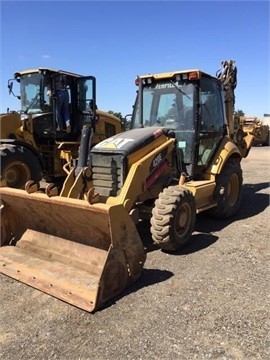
<point x="26" y="145"/>
<point x="227" y="149"/>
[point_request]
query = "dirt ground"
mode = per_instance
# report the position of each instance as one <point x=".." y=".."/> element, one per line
<point x="209" y="301"/>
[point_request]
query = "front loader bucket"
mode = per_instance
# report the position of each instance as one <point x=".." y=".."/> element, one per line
<point x="80" y="253"/>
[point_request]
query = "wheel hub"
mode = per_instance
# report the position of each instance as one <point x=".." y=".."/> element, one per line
<point x="16" y="174"/>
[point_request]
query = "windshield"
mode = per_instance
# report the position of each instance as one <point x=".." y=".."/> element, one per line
<point x="30" y="93"/>
<point x="167" y="103"/>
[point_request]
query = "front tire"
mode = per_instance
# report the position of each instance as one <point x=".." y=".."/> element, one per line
<point x="173" y="218"/>
<point x="18" y="165"/>
<point x="228" y="191"/>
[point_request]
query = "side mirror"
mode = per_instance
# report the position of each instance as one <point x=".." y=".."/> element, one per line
<point x="10" y="87"/>
<point x="127" y="122"/>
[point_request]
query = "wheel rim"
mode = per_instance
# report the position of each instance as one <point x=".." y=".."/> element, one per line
<point x="183" y="220"/>
<point x="233" y="190"/>
<point x="16" y="174"/>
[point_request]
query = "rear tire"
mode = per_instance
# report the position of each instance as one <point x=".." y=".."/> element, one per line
<point x="173" y="218"/>
<point x="228" y="191"/>
<point x="18" y="165"/>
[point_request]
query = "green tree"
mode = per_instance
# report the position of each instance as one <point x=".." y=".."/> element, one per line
<point x="125" y="121"/>
<point x="117" y="114"/>
<point x="239" y="113"/>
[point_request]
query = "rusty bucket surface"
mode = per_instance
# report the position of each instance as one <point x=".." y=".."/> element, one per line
<point x="80" y="253"/>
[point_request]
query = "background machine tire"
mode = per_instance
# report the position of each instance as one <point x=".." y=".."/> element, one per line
<point x="173" y="218"/>
<point x="18" y="165"/>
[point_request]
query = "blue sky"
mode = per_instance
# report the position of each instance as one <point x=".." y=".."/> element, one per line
<point x="117" y="40"/>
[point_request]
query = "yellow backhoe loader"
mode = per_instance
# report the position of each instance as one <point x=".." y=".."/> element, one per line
<point x="253" y="125"/>
<point x="30" y="145"/>
<point x="182" y="156"/>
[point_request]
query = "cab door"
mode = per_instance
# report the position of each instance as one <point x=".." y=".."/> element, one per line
<point x="212" y="120"/>
<point x="85" y="103"/>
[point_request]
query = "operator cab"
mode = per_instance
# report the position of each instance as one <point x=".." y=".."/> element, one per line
<point x="188" y="106"/>
<point x="39" y="103"/>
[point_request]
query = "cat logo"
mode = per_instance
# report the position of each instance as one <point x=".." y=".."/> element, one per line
<point x="112" y="143"/>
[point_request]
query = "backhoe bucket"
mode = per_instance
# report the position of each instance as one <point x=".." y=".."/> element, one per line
<point x="80" y="253"/>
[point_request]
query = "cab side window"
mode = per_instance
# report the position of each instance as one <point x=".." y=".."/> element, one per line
<point x="211" y="106"/>
<point x="211" y="126"/>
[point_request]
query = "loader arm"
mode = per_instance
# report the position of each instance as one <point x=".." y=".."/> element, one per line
<point x="75" y="185"/>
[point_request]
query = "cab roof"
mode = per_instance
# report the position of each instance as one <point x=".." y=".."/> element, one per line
<point x="48" y="70"/>
<point x="172" y="74"/>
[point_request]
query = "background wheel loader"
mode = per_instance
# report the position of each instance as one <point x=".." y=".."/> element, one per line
<point x="182" y="156"/>
<point x="253" y="125"/>
<point x="30" y="146"/>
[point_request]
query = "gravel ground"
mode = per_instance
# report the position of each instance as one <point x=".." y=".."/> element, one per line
<point x="209" y="301"/>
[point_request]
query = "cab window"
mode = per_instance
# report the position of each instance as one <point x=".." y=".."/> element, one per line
<point x="211" y="106"/>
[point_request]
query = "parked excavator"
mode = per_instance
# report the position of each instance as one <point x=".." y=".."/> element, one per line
<point x="30" y="145"/>
<point x="182" y="156"/>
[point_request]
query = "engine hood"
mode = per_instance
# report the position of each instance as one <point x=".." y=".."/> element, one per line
<point x="129" y="141"/>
